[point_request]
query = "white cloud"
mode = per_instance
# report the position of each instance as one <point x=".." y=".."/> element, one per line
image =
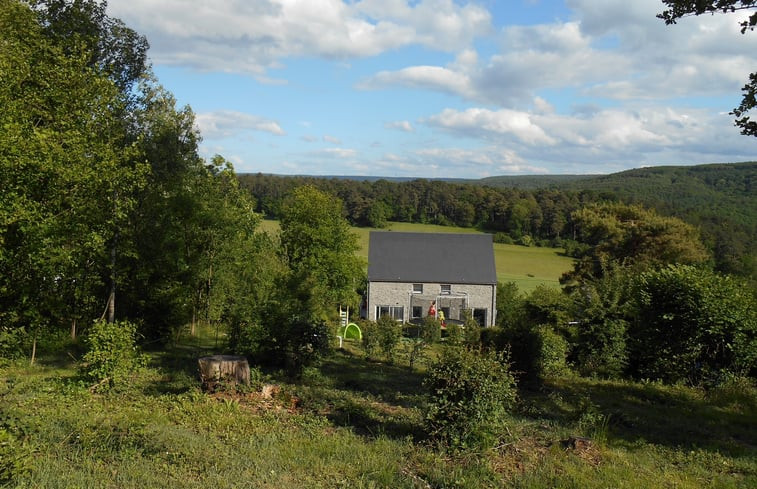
<point x="332" y="139"/>
<point x="423" y="77"/>
<point x="336" y="152"/>
<point x="405" y="126"/>
<point x="227" y="123"/>
<point x="487" y="123"/>
<point x="255" y="36"/>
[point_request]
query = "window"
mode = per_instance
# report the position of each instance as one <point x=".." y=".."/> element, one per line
<point x="417" y="288"/>
<point x="446" y="289"/>
<point x="395" y="312"/>
<point x="417" y="312"/>
<point x="480" y="316"/>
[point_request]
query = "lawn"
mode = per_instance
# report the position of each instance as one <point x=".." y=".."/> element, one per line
<point x="528" y="267"/>
<point x="358" y="423"/>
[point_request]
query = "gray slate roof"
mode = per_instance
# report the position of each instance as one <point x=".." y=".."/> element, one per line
<point x="431" y="257"/>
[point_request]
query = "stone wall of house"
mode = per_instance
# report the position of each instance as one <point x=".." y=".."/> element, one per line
<point x="410" y="299"/>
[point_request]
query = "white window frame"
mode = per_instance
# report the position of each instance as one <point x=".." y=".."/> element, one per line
<point x="445" y="289"/>
<point x="391" y="311"/>
<point x="417" y="288"/>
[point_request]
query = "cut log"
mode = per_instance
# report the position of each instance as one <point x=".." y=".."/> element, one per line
<point x="223" y="369"/>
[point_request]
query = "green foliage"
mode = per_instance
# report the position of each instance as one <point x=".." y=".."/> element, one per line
<point x="546" y="305"/>
<point x="14" y="343"/>
<point x="470" y="394"/>
<point x="320" y="249"/>
<point x="602" y="310"/>
<point x="472" y="330"/>
<point x="633" y="236"/>
<point x="371" y="339"/>
<point x="550" y="351"/>
<point x="112" y="354"/>
<point x="455" y="334"/>
<point x="15" y="457"/>
<point x="390" y="333"/>
<point x="509" y="305"/>
<point x="382" y="337"/>
<point x="692" y="324"/>
<point x="68" y="170"/>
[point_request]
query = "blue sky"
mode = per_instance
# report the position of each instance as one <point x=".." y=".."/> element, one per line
<point x="442" y="88"/>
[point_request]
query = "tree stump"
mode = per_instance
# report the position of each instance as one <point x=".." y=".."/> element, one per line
<point x="223" y="369"/>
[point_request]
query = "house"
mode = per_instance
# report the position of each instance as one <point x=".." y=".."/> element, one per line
<point x="408" y="271"/>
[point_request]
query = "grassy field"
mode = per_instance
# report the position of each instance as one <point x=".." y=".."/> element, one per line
<point x="359" y="424"/>
<point x="528" y="267"/>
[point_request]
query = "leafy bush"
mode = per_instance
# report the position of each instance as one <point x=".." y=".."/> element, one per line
<point x="15" y="457"/>
<point x="470" y="393"/>
<point x="692" y="324"/>
<point x="455" y="334"/>
<point x="304" y="343"/>
<point x="371" y="342"/>
<point x="472" y="333"/>
<point x="14" y="342"/>
<point x="525" y="240"/>
<point x="503" y="238"/>
<point x="112" y="354"/>
<point x="601" y="348"/>
<point x="420" y="338"/>
<point x="389" y="333"/>
<point x="550" y="351"/>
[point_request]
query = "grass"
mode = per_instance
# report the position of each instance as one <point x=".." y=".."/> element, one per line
<point x="358" y="423"/>
<point x="528" y="267"/>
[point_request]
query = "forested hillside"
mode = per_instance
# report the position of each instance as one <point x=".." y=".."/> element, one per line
<point x="719" y="200"/>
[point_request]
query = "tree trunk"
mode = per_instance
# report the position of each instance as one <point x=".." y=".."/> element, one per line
<point x="73" y="329"/>
<point x="112" y="296"/>
<point x="218" y="370"/>
<point x="34" y="350"/>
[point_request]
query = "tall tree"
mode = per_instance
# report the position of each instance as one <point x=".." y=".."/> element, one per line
<point x="678" y="9"/>
<point x="320" y="250"/>
<point x="631" y="236"/>
<point x="67" y="171"/>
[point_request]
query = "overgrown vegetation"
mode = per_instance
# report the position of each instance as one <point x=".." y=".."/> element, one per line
<point x="116" y="235"/>
<point x="361" y="423"/>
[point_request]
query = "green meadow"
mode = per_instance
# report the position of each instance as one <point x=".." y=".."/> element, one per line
<point x="358" y="423"/>
<point x="528" y="267"/>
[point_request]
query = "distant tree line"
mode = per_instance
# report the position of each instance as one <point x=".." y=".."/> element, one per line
<point x="716" y="199"/>
<point x="539" y="214"/>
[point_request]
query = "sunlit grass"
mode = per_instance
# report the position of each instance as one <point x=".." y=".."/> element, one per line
<point x="358" y="423"/>
<point x="528" y="267"/>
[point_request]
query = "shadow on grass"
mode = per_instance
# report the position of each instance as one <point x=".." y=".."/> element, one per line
<point x="649" y="413"/>
<point x="373" y="399"/>
<point x="178" y="365"/>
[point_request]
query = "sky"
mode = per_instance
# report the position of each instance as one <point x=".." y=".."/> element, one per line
<point x="450" y="89"/>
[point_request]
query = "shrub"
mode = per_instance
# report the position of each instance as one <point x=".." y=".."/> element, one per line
<point x="455" y="334"/>
<point x="371" y="342"/>
<point x="389" y="335"/>
<point x="525" y="240"/>
<point x="470" y="392"/>
<point x="692" y="324"/>
<point x="503" y="238"/>
<point x="15" y="458"/>
<point x="14" y="342"/>
<point x="112" y="354"/>
<point x="421" y="336"/>
<point x="550" y="350"/>
<point x="472" y="333"/>
<point x="601" y="348"/>
<point x="305" y="343"/>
